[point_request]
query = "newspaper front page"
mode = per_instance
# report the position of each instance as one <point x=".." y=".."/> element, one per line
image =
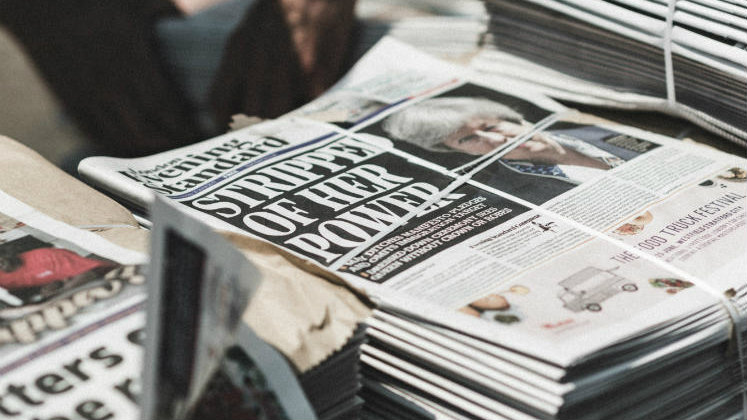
<point x="71" y="324"/>
<point x="484" y="208"/>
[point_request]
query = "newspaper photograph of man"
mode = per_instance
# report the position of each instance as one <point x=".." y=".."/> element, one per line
<point x="459" y="126"/>
<point x="560" y="158"/>
<point x="470" y="123"/>
<point x="543" y="166"/>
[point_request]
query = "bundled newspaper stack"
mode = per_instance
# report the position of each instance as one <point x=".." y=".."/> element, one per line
<point x="449" y="30"/>
<point x="686" y="57"/>
<point x="71" y="319"/>
<point x="455" y="38"/>
<point x="527" y="260"/>
<point x="681" y="370"/>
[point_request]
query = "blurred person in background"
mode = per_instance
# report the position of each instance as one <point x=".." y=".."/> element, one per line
<point x="143" y="76"/>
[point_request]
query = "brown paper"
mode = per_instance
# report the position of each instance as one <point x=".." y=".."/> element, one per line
<point x="135" y="239"/>
<point x="30" y="178"/>
<point x="298" y="309"/>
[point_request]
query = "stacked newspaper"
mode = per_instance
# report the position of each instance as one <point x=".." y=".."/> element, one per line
<point x="73" y="325"/>
<point x="686" y="57"/>
<point x="527" y="261"/>
<point x="454" y="38"/>
<point x="202" y="361"/>
<point x="71" y="322"/>
<point x="446" y="29"/>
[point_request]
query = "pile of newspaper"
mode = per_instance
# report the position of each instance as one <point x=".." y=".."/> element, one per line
<point x="526" y="260"/>
<point x="682" y="369"/>
<point x="688" y="57"/>
<point x="204" y="362"/>
<point x="71" y="319"/>
<point x="449" y="30"/>
<point x="73" y="324"/>
<point x="455" y="38"/>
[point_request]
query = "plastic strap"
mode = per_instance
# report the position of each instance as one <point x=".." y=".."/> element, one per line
<point x="739" y="322"/>
<point x="105" y="227"/>
<point x="667" y="46"/>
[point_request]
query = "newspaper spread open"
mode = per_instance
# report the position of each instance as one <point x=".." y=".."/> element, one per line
<point x="71" y="324"/>
<point x="484" y="208"/>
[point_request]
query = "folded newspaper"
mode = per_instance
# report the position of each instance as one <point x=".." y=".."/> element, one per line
<point x="70" y="302"/>
<point x="72" y="319"/>
<point x="684" y="57"/>
<point x="201" y="286"/>
<point x="528" y="261"/>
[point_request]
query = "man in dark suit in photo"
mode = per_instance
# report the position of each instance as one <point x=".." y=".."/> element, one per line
<point x="542" y="167"/>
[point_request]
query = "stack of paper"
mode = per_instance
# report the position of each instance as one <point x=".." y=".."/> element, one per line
<point x="333" y="387"/>
<point x="447" y="29"/>
<point x="689" y="59"/>
<point x="72" y="324"/>
<point x="678" y="371"/>
<point x="454" y="38"/>
<point x="527" y="260"/>
<point x="203" y="362"/>
<point x="253" y="381"/>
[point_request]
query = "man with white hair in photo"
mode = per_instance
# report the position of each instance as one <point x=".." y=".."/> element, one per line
<point x="478" y="126"/>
